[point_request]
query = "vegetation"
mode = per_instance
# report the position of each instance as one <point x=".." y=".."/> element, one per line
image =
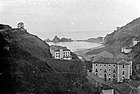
<point x="29" y="68"/>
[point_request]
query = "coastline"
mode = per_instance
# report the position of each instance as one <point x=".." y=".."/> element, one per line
<point x="82" y="53"/>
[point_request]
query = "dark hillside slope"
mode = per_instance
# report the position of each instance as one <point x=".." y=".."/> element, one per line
<point x="27" y="67"/>
<point x="18" y="66"/>
<point x="30" y="43"/>
<point x="124" y="35"/>
<point x="7" y="83"/>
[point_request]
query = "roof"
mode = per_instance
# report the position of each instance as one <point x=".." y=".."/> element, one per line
<point x="105" y="60"/>
<point x="108" y="91"/>
<point x="111" y="61"/>
<point x="123" y="62"/>
<point x="57" y="48"/>
<point x="121" y="56"/>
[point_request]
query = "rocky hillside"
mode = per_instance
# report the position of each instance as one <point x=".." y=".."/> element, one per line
<point x="124" y="35"/>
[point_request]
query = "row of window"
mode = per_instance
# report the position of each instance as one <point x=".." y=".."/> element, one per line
<point x="105" y="70"/>
<point x="105" y="75"/>
<point x="105" y="64"/>
<point x="58" y="54"/>
<point x="66" y="52"/>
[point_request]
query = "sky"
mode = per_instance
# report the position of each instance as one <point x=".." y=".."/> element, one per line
<point x="66" y="18"/>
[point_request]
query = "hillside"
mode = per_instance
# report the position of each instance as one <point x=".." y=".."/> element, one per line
<point x="124" y="35"/>
<point x="27" y="67"/>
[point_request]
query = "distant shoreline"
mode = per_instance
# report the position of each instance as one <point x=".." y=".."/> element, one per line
<point x="74" y="41"/>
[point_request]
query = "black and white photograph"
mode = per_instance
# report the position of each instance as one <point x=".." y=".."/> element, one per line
<point x="69" y="46"/>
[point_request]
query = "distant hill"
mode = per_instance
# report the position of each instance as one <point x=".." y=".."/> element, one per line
<point x="97" y="40"/>
<point x="124" y="35"/>
<point x="57" y="39"/>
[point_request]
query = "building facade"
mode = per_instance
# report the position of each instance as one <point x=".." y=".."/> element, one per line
<point x="126" y="50"/>
<point x="59" y="52"/>
<point x="112" y="69"/>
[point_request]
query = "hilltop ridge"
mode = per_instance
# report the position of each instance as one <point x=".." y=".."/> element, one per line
<point x="124" y="35"/>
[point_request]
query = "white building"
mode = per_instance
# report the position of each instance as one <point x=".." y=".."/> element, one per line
<point x="126" y="50"/>
<point x="59" y="52"/>
<point x="108" y="91"/>
<point x="135" y="41"/>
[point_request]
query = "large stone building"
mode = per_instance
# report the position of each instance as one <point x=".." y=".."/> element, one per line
<point x="59" y="52"/>
<point x="113" y="69"/>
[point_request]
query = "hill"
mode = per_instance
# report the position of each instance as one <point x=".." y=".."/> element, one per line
<point x="124" y="35"/>
<point x="27" y="67"/>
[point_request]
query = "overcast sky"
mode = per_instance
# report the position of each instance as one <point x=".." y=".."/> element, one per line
<point x="69" y="15"/>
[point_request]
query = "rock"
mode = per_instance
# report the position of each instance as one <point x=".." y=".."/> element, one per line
<point x="56" y="39"/>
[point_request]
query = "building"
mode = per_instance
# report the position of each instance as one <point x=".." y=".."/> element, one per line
<point x="126" y="50"/>
<point x="108" y="91"/>
<point x="134" y="41"/>
<point x="59" y="52"/>
<point x="20" y="25"/>
<point x="137" y="66"/>
<point x="112" y="69"/>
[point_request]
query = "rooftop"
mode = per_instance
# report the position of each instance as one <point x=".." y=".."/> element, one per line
<point x="111" y="60"/>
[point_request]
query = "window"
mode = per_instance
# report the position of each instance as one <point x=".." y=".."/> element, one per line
<point x="96" y="70"/>
<point x="105" y="65"/>
<point x="100" y="69"/>
<point x="114" y="71"/>
<point x="108" y="69"/>
<point x="95" y="64"/>
<point x="100" y="65"/>
<point x="96" y="73"/>
<point x="109" y="65"/>
<point x="109" y="79"/>
<point x="105" y="70"/>
<point x="123" y="66"/>
<point x="123" y="72"/>
<point x="114" y="75"/>
<point x="114" y="65"/>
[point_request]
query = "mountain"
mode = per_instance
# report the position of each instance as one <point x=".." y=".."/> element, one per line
<point x="27" y="67"/>
<point x="56" y="39"/>
<point x="124" y="35"/>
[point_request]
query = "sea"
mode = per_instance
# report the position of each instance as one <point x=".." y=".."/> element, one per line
<point x="77" y="45"/>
